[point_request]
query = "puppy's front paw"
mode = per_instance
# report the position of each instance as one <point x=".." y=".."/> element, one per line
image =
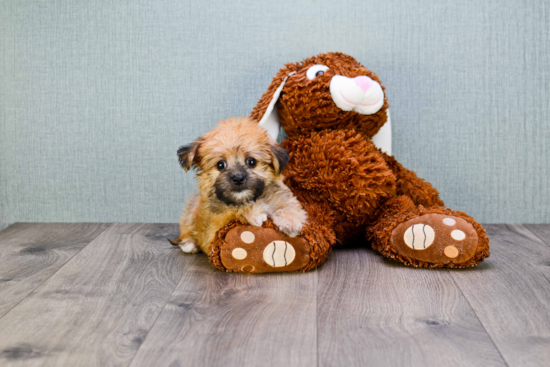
<point x="256" y="219"/>
<point x="189" y="246"/>
<point x="290" y="222"/>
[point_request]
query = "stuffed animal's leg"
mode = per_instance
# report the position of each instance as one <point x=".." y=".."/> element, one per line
<point x="409" y="184"/>
<point x="241" y="247"/>
<point x="428" y="237"/>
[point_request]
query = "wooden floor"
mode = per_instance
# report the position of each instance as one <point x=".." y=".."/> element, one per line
<point x="121" y="295"/>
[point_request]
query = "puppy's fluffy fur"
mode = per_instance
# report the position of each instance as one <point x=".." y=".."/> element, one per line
<point x="239" y="170"/>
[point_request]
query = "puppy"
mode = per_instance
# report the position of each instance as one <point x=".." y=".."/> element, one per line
<point x="239" y="170"/>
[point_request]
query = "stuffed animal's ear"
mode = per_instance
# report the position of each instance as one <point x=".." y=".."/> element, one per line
<point x="280" y="157"/>
<point x="265" y="111"/>
<point x="187" y="154"/>
<point x="382" y="139"/>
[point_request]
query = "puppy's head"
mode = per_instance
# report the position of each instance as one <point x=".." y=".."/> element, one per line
<point x="235" y="161"/>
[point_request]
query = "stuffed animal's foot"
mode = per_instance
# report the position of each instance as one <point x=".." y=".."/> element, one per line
<point x="436" y="238"/>
<point x="439" y="238"/>
<point x="251" y="249"/>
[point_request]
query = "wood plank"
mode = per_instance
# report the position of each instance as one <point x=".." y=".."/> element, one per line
<point x="31" y="253"/>
<point x="230" y="319"/>
<point x="511" y="294"/>
<point x="375" y="312"/>
<point x="542" y="231"/>
<point x="98" y="308"/>
<point x="4" y="225"/>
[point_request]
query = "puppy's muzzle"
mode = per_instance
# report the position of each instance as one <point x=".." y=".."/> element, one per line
<point x="238" y="178"/>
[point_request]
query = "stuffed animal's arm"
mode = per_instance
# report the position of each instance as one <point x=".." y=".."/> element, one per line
<point x="341" y="167"/>
<point x="409" y="184"/>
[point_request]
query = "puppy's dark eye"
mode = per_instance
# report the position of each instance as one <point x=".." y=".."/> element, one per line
<point x="221" y="165"/>
<point x="251" y="162"/>
<point x="320" y="72"/>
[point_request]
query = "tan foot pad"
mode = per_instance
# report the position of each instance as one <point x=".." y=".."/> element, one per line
<point x="250" y="249"/>
<point x="436" y="238"/>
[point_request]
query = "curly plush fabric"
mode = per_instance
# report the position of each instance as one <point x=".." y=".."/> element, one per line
<point x="306" y="107"/>
<point x="349" y="174"/>
<point x="350" y="188"/>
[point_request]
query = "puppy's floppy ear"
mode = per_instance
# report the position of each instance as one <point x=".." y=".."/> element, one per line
<point x="280" y="157"/>
<point x="187" y="154"/>
<point x="265" y="111"/>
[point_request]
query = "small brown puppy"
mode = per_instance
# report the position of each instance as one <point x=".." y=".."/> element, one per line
<point x="239" y="170"/>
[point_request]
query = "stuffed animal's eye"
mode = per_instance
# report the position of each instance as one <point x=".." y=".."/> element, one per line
<point x="251" y="162"/>
<point x="221" y="165"/>
<point x="315" y="71"/>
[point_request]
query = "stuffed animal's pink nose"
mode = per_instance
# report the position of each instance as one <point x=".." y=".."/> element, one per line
<point x="364" y="82"/>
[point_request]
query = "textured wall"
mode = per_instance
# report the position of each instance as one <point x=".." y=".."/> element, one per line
<point x="96" y="96"/>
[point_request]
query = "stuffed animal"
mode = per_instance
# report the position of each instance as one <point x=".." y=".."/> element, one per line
<point x="332" y="108"/>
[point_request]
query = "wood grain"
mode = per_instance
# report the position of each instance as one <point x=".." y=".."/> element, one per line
<point x="374" y="312"/>
<point x="542" y="231"/>
<point x="97" y="309"/>
<point x="31" y="253"/>
<point x="230" y="319"/>
<point x="73" y="300"/>
<point x="511" y="294"/>
<point x="4" y="225"/>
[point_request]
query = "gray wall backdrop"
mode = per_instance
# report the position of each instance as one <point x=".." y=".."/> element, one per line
<point x="96" y="96"/>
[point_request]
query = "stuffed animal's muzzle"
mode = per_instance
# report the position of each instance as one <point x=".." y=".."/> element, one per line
<point x="360" y="94"/>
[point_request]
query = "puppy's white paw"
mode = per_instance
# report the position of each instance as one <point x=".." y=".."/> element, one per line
<point x="290" y="222"/>
<point x="256" y="219"/>
<point x="189" y="246"/>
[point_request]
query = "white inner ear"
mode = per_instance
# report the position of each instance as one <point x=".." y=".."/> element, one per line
<point x="270" y="119"/>
<point x="382" y="139"/>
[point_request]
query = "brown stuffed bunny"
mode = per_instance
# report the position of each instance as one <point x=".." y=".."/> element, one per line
<point x="331" y="107"/>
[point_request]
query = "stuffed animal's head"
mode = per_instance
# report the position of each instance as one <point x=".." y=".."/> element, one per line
<point x="328" y="91"/>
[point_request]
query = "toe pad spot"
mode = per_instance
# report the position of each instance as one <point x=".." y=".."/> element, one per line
<point x="458" y="235"/>
<point x="247" y="237"/>
<point x="247" y="269"/>
<point x="451" y="252"/>
<point x="239" y="253"/>
<point x="449" y="221"/>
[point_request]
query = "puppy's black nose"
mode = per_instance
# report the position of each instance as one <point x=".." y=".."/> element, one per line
<point x="238" y="179"/>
